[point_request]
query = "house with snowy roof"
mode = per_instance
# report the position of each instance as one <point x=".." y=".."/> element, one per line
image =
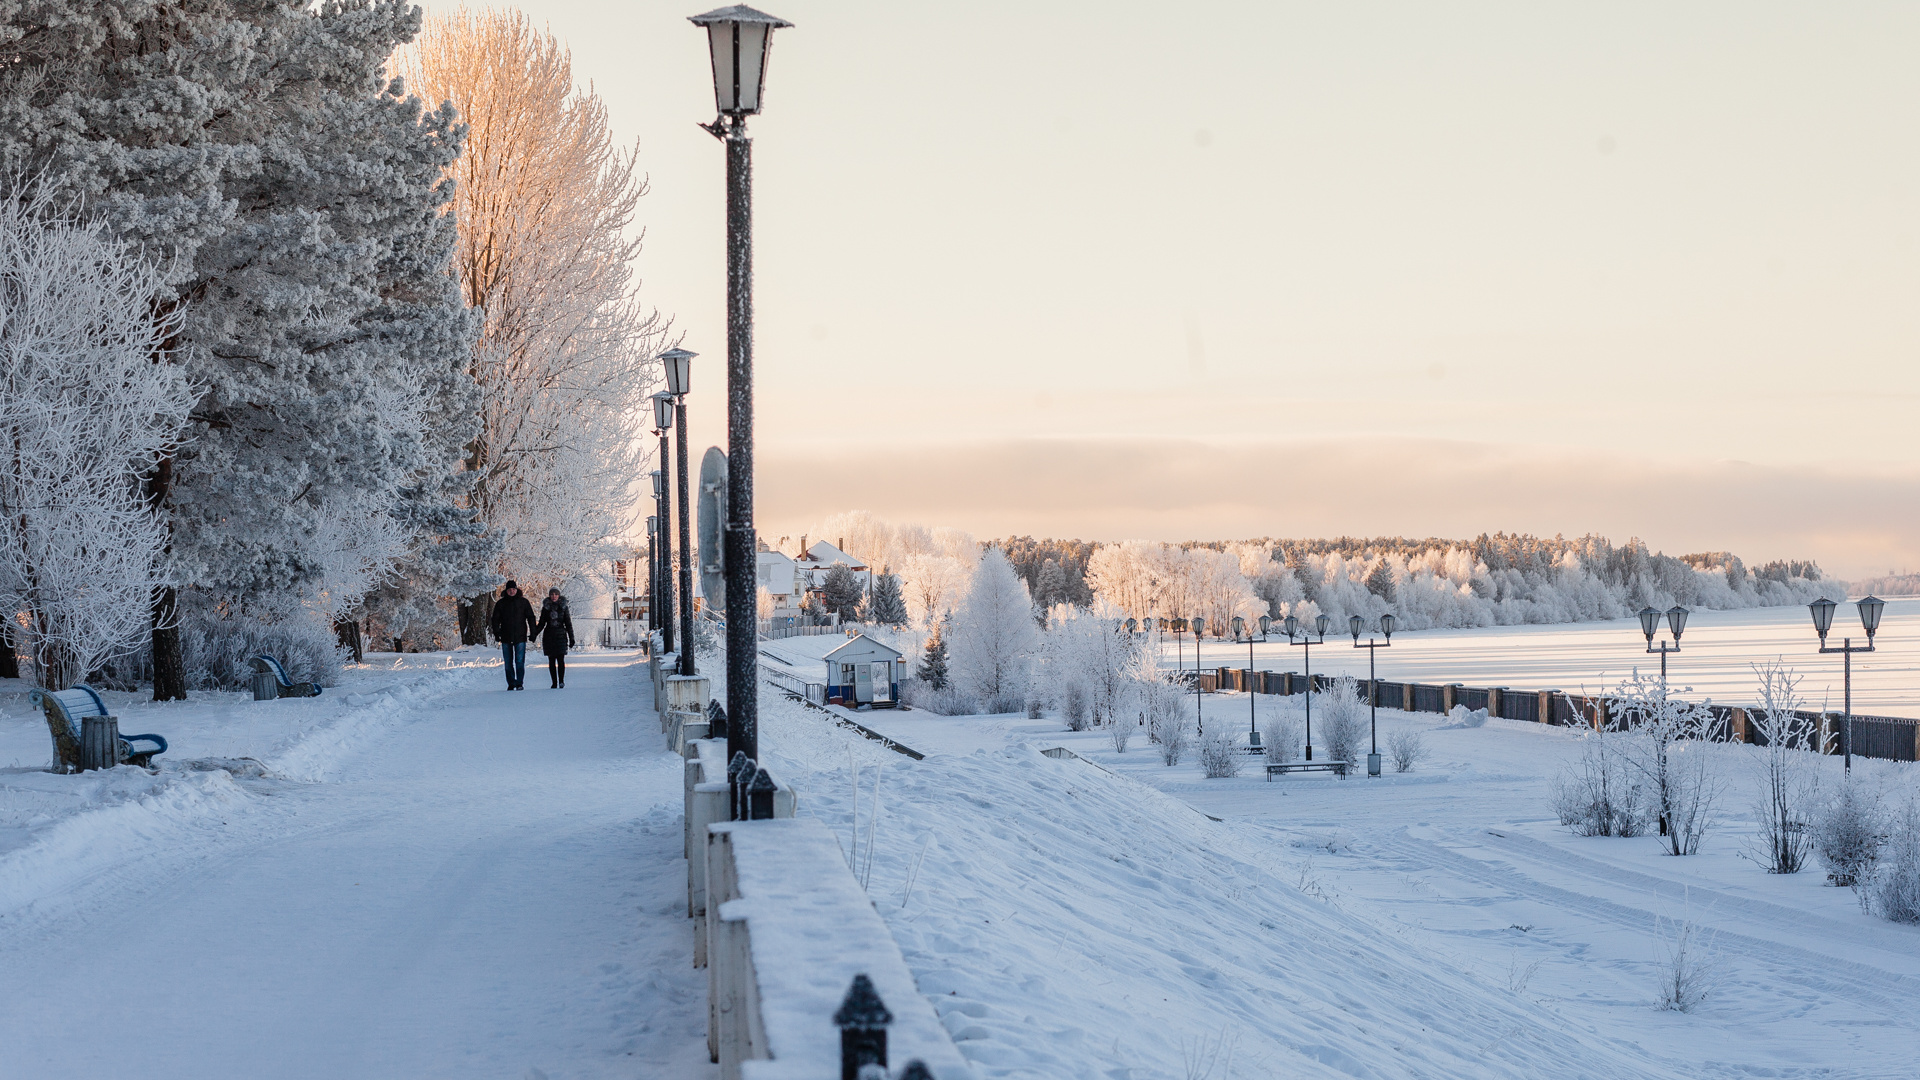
<point x="865" y="672"/>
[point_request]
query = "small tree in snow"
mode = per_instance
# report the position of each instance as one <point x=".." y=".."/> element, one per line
<point x="1600" y="793"/>
<point x="1346" y="721"/>
<point x="1406" y="748"/>
<point x="1849" y="831"/>
<point x="933" y="660"/>
<point x="1670" y="753"/>
<point x="1891" y="889"/>
<point x="85" y="410"/>
<point x="994" y="637"/>
<point x="1789" y="774"/>
<point x="888" y="607"/>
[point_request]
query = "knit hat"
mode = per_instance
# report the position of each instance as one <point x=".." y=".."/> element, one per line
<point x="511" y="585"/>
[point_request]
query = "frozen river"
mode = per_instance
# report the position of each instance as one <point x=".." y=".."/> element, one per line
<point x="1718" y="651"/>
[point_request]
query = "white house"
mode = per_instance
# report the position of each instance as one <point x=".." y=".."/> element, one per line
<point x="816" y="559"/>
<point x="865" y="672"/>
<point x="776" y="572"/>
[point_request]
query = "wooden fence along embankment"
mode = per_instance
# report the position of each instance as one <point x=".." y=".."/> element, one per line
<point x="1893" y="738"/>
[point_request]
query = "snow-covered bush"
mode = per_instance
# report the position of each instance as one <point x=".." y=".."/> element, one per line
<point x="1685" y="963"/>
<point x="1406" y="748"/>
<point x="1220" y="754"/>
<point x="994" y="637"/>
<point x="1073" y="705"/>
<point x="1848" y="832"/>
<point x="1284" y="734"/>
<point x="1093" y="650"/>
<point x="1171" y="732"/>
<point x="1891" y="887"/>
<point x="1788" y="773"/>
<point x="1668" y="748"/>
<point x="1466" y="717"/>
<point x="215" y="651"/>
<point x="1599" y="793"/>
<point x="1343" y="714"/>
<point x="88" y="406"/>
<point x="1121" y="732"/>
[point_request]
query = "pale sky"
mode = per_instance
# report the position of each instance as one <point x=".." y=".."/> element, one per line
<point x="1237" y="269"/>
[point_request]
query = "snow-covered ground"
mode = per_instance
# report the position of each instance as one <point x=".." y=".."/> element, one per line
<point x="1718" y="650"/>
<point x="1087" y="919"/>
<point x="420" y="875"/>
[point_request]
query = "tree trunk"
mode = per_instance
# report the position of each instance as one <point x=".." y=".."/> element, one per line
<point x="475" y="615"/>
<point x="348" y="633"/>
<point x="169" y="666"/>
<point x="9" y="660"/>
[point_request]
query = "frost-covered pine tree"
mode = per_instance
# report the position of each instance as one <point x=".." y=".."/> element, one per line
<point x="994" y="636"/>
<point x="889" y="608"/>
<point x="84" y="413"/>
<point x="254" y="148"/>
<point x="933" y="659"/>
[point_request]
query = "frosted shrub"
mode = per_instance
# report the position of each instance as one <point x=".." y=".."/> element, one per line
<point x="1848" y="832"/>
<point x="1668" y="749"/>
<point x="1344" y="729"/>
<point x="1284" y="733"/>
<point x="1170" y="731"/>
<point x="1406" y="748"/>
<point x="1687" y="967"/>
<point x="1121" y="732"/>
<point x="1160" y="703"/>
<point x="1074" y="706"/>
<point x="214" y="654"/>
<point x="1466" y="717"/>
<point x="1891" y="888"/>
<point x="1789" y="773"/>
<point x="1220" y="754"/>
<point x="1599" y="794"/>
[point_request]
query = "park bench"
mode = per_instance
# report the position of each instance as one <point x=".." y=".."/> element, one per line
<point x="70" y="709"/>
<point x="280" y="686"/>
<point x="1279" y="767"/>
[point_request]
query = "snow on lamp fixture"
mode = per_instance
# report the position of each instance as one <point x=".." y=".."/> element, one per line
<point x="739" y="39"/>
<point x="663" y="411"/>
<point x="679" y="365"/>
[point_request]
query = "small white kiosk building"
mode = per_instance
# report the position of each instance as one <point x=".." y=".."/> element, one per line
<point x="864" y="672"/>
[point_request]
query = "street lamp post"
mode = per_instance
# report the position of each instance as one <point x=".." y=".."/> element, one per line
<point x="1676" y="617"/>
<point x="653" y="572"/>
<point x="679" y="365"/>
<point x="1356" y="624"/>
<point x="739" y="40"/>
<point x="664" y="408"/>
<point x="1253" y="717"/>
<point x="1292" y="626"/>
<point x="1199" y="721"/>
<point x="1822" y="610"/>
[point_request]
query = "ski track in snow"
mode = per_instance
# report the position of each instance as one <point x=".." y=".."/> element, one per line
<point x="436" y="878"/>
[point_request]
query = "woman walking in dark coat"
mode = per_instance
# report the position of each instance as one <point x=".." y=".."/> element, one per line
<point x="556" y="635"/>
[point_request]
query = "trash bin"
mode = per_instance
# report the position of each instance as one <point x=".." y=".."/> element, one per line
<point x="265" y="686"/>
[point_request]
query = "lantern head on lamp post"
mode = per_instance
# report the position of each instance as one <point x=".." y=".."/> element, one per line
<point x="1822" y="610"/>
<point x="1291" y="625"/>
<point x="739" y="40"/>
<point x="1677" y="621"/>
<point x="663" y="411"/>
<point x="659" y="484"/>
<point x="1355" y="624"/>
<point x="1266" y="623"/>
<point x="679" y="367"/>
<point x="1320" y="623"/>
<point x="1239" y="627"/>
<point x="1870" y="614"/>
<point x="1649" y="623"/>
<point x="1386" y="625"/>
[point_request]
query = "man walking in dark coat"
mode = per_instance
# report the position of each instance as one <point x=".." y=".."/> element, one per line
<point x="513" y="624"/>
<point x="556" y="635"/>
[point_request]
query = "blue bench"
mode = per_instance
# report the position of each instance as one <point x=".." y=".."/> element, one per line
<point x="67" y="708"/>
<point x="267" y="665"/>
<point x="1280" y="768"/>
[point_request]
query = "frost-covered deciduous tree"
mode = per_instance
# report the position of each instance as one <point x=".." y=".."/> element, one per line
<point x="1670" y="752"/>
<point x="1789" y="774"/>
<point x="87" y="405"/>
<point x="544" y="201"/>
<point x="1600" y="793"/>
<point x="994" y="638"/>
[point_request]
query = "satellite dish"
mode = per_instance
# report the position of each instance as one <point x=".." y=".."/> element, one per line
<point x="713" y="526"/>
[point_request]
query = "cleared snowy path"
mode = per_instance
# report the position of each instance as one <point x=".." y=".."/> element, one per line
<point x="491" y="889"/>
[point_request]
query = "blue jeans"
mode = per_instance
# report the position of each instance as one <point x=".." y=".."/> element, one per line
<point x="515" y="655"/>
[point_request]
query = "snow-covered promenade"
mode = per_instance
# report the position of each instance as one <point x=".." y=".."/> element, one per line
<point x="467" y="882"/>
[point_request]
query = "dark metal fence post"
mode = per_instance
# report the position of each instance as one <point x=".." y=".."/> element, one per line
<point x="760" y="797"/>
<point x="740" y="768"/>
<point x="716" y="720"/>
<point x="862" y="1020"/>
